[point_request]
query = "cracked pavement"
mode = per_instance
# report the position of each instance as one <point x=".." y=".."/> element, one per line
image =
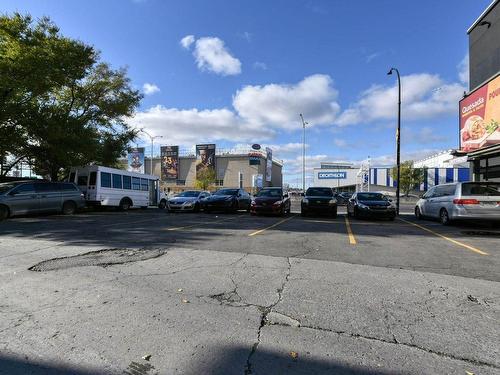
<point x="209" y="311"/>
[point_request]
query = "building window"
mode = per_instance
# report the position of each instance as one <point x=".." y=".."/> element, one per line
<point x="180" y="182"/>
<point x="144" y="184"/>
<point x="117" y="181"/>
<point x="127" y="182"/>
<point x="240" y="175"/>
<point x="136" y="183"/>
<point x="219" y="183"/>
<point x="105" y="179"/>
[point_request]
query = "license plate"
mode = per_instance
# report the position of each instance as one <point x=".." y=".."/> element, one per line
<point x="319" y="202"/>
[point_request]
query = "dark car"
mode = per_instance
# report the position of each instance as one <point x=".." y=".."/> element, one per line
<point x="343" y="198"/>
<point x="230" y="200"/>
<point x="319" y="200"/>
<point x="26" y="197"/>
<point x="371" y="205"/>
<point x="271" y="201"/>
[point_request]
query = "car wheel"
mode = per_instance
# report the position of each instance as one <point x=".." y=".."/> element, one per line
<point x="69" y="208"/>
<point x="234" y="207"/>
<point x="303" y="213"/>
<point x="355" y="213"/>
<point x="4" y="213"/>
<point x="392" y="218"/>
<point x="196" y="207"/>
<point x="418" y="214"/>
<point x="124" y="205"/>
<point x="207" y="210"/>
<point x="334" y="214"/>
<point x="162" y="205"/>
<point x="444" y="218"/>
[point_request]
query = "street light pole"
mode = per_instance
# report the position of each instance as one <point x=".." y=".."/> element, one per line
<point x="304" y="123"/>
<point x="398" y="138"/>
<point x="152" y="138"/>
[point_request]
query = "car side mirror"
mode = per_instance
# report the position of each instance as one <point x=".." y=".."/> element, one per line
<point x="390" y="200"/>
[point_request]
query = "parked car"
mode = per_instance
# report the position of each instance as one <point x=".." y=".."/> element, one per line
<point x="227" y="200"/>
<point x="461" y="200"/>
<point x="272" y="200"/>
<point x="371" y="204"/>
<point x="26" y="197"/>
<point x="343" y="198"/>
<point x="187" y="201"/>
<point x="319" y="200"/>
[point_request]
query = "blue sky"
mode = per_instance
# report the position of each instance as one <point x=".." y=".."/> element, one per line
<point x="246" y="69"/>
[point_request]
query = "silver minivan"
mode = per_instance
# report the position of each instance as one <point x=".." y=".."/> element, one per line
<point x="461" y="200"/>
<point x="26" y="197"/>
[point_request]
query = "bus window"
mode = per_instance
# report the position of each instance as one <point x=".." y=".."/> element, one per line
<point x="127" y="182"/>
<point x="136" y="183"/>
<point x="72" y="177"/>
<point x="82" y="181"/>
<point x="93" y="178"/>
<point x="105" y="179"/>
<point x="117" y="181"/>
<point x="144" y="184"/>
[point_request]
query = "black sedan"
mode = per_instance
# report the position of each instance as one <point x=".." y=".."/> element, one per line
<point x="271" y="200"/>
<point x="375" y="205"/>
<point x="319" y="200"/>
<point x="229" y="200"/>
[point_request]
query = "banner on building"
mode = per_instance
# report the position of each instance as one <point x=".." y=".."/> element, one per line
<point x="257" y="181"/>
<point x="269" y="164"/>
<point x="169" y="162"/>
<point x="205" y="158"/>
<point x="135" y="160"/>
<point x="480" y="117"/>
<point x="254" y="158"/>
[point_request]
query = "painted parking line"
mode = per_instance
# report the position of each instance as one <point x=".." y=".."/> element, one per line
<point x="352" y="239"/>
<point x="468" y="247"/>
<point x="202" y="224"/>
<point x="271" y="226"/>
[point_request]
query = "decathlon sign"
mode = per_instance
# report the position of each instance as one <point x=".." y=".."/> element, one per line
<point x="332" y="175"/>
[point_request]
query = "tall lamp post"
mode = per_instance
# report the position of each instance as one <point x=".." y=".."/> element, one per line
<point x="398" y="137"/>
<point x="304" y="123"/>
<point x="152" y="138"/>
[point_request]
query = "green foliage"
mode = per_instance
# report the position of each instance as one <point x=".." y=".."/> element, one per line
<point x="204" y="178"/>
<point x="409" y="176"/>
<point x="59" y="105"/>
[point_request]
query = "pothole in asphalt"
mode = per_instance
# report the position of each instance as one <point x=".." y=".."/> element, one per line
<point x="103" y="258"/>
<point x="488" y="233"/>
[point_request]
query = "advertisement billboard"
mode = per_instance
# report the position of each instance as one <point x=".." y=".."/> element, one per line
<point x="269" y="164"/>
<point x="135" y="160"/>
<point x="169" y="162"/>
<point x="205" y="157"/>
<point x="257" y="181"/>
<point x="480" y="117"/>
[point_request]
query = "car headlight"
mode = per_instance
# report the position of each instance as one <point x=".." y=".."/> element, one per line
<point x="253" y="203"/>
<point x="277" y="203"/>
<point x="332" y="201"/>
<point x="188" y="203"/>
<point x="363" y="206"/>
<point x="305" y="200"/>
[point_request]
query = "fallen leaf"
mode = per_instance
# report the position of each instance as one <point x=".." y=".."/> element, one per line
<point x="185" y="301"/>
<point x="294" y="355"/>
<point x="469" y="373"/>
<point x="180" y="290"/>
<point x="147" y="357"/>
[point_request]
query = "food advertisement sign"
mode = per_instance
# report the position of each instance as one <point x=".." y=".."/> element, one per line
<point x="205" y="157"/>
<point x="135" y="160"/>
<point x="480" y="117"/>
<point x="169" y="162"/>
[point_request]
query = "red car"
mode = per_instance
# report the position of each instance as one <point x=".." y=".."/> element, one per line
<point x="271" y="201"/>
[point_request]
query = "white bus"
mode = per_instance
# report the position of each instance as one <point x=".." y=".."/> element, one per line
<point x="105" y="186"/>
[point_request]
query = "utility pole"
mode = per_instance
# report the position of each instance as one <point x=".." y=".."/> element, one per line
<point x="304" y="123"/>
<point x="398" y="138"/>
<point x="152" y="138"/>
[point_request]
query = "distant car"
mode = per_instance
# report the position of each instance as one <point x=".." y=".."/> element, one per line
<point x="343" y="198"/>
<point x="319" y="200"/>
<point x="229" y="200"/>
<point x="459" y="201"/>
<point x="190" y="200"/>
<point x="27" y="197"/>
<point x="272" y="200"/>
<point x="368" y="204"/>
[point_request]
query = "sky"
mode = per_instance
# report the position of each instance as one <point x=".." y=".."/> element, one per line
<point x="240" y="72"/>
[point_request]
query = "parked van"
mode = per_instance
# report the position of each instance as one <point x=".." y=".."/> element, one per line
<point x="26" y="197"/>
<point x="461" y="200"/>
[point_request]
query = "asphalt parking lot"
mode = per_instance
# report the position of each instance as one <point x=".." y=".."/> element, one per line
<point x="282" y="294"/>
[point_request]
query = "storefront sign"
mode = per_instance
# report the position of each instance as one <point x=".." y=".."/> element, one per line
<point x="332" y="175"/>
<point x="169" y="162"/>
<point x="480" y="117"/>
<point x="135" y="160"/>
<point x="256" y="146"/>
<point x="254" y="158"/>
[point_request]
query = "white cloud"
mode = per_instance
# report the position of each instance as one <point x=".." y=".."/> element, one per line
<point x="423" y="96"/>
<point x="372" y="56"/>
<point x="463" y="70"/>
<point x="425" y="135"/>
<point x="150" y="88"/>
<point x="187" y="41"/>
<point x="340" y="142"/>
<point x="279" y="105"/>
<point x="259" y="65"/>
<point x="211" y="55"/>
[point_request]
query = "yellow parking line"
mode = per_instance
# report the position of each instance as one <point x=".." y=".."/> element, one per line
<point x="200" y="224"/>
<point x="471" y="248"/>
<point x="352" y="239"/>
<point x="271" y="226"/>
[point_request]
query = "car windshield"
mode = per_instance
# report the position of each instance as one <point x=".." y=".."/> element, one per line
<point x="226" y="192"/>
<point x="319" y="192"/>
<point x="270" y="193"/>
<point x="475" y="188"/>
<point x="189" y="194"/>
<point x="371" y="197"/>
<point x="5" y="187"/>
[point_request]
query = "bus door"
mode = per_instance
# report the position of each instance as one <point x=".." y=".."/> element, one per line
<point x="153" y="192"/>
<point x="92" y="187"/>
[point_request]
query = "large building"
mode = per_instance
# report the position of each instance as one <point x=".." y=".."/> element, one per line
<point x="480" y="107"/>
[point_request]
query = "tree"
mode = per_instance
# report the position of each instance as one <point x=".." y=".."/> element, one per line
<point x="409" y="176"/>
<point x="59" y="105"/>
<point x="204" y="178"/>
